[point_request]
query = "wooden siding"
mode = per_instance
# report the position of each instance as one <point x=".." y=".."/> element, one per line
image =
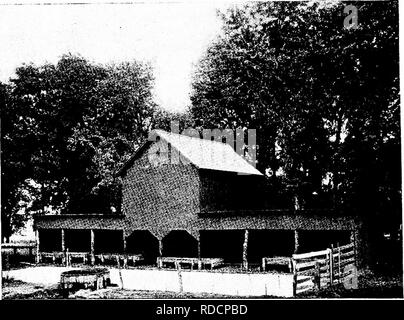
<point x="160" y="196"/>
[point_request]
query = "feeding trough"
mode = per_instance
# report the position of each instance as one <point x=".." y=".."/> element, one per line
<point x="73" y="280"/>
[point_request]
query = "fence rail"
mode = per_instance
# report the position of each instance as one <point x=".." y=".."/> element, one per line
<point x="12" y="253"/>
<point x="319" y="269"/>
<point x="16" y="248"/>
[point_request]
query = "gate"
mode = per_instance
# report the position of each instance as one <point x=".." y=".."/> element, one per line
<point x="320" y="269"/>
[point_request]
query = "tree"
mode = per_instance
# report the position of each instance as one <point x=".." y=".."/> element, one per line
<point x="293" y="72"/>
<point x="172" y="121"/>
<point x="65" y="129"/>
<point x="116" y="125"/>
<point x="323" y="98"/>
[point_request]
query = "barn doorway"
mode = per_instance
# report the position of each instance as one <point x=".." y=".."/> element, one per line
<point x="78" y="240"/>
<point x="50" y="240"/>
<point x="145" y="243"/>
<point x="226" y="244"/>
<point x="108" y="241"/>
<point x="269" y="243"/>
<point x="179" y="243"/>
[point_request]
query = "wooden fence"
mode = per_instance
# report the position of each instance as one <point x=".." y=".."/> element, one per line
<point x="27" y="248"/>
<point x="320" y="269"/>
<point x="66" y="257"/>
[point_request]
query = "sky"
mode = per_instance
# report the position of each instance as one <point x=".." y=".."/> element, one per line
<point x="172" y="36"/>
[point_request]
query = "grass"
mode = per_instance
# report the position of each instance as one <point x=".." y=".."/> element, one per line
<point x="15" y="289"/>
<point x="370" y="285"/>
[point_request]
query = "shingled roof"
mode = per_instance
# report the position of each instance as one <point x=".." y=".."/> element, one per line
<point x="203" y="153"/>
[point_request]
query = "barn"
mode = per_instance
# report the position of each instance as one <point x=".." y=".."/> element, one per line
<point x="189" y="197"/>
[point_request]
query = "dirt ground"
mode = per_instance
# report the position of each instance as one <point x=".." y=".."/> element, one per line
<point x="370" y="286"/>
<point x="13" y="290"/>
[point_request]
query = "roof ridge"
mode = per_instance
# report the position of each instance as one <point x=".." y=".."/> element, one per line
<point x="190" y="137"/>
<point x="207" y="155"/>
<point x="227" y="158"/>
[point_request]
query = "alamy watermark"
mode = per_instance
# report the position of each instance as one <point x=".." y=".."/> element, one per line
<point x="351" y="20"/>
<point x="242" y="141"/>
<point x="351" y="280"/>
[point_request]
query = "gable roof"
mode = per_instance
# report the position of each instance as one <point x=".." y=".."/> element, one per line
<point x="203" y="153"/>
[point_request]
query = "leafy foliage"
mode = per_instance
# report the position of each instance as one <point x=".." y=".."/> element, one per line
<point x="312" y="89"/>
<point x="323" y="98"/>
<point x="67" y="127"/>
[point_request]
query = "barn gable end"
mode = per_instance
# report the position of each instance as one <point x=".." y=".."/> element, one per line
<point x="158" y="195"/>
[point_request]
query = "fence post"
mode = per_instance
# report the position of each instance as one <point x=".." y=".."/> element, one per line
<point x="331" y="264"/>
<point x="339" y="264"/>
<point x="6" y="265"/>
<point x="354" y="240"/>
<point x="118" y="264"/>
<point x="355" y="253"/>
<point x="294" y="276"/>
<point x="181" y="287"/>
<point x="317" y="275"/>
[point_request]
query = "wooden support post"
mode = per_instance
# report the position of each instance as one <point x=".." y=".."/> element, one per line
<point x="92" y="240"/>
<point x="159" y="261"/>
<point x="160" y="247"/>
<point x="245" y="250"/>
<point x="68" y="261"/>
<point x="124" y="241"/>
<point x="117" y="261"/>
<point x="37" y="256"/>
<point x="199" y="254"/>
<point x="296" y="249"/>
<point x="62" y="232"/>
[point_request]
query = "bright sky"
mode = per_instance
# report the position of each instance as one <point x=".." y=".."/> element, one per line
<point x="170" y="35"/>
